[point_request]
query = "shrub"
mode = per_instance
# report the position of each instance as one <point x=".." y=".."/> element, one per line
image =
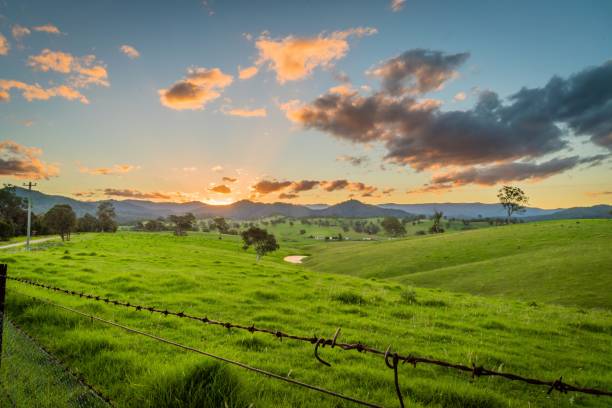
<point x="408" y="296"/>
<point x="349" y="298"/>
<point x="7" y="230"/>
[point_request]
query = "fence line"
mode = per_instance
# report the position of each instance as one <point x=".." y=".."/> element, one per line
<point x="77" y="376"/>
<point x="476" y="371"/>
<point x="205" y="353"/>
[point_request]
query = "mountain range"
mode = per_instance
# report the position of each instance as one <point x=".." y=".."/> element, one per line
<point x="135" y="210"/>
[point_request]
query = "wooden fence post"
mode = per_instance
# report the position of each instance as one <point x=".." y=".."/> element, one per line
<point x="3" y="268"/>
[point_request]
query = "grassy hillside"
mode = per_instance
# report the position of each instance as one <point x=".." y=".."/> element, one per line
<point x="565" y="262"/>
<point x="203" y="275"/>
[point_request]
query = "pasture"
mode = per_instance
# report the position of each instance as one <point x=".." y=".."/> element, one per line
<point x="204" y="275"/>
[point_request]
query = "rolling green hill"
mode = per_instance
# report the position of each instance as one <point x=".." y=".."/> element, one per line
<point x="567" y="262"/>
<point x="203" y="275"/>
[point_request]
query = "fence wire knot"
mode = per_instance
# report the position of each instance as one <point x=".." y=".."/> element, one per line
<point x="558" y="385"/>
<point x="321" y="342"/>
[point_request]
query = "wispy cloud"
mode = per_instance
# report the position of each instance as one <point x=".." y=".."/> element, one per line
<point x="397" y="5"/>
<point x="130" y="51"/>
<point x="246" y="73"/>
<point x="247" y="113"/>
<point x="221" y="189"/>
<point x="4" y="45"/>
<point x="117" y="169"/>
<point x="85" y="71"/>
<point x="37" y="93"/>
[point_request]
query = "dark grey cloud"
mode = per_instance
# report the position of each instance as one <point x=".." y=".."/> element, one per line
<point x="532" y="123"/>
<point x="304" y="185"/>
<point x="418" y="71"/>
<point x="270" y="186"/>
<point x="354" y="160"/>
<point x="129" y="193"/>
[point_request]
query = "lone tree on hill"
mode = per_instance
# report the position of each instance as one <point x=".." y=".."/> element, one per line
<point x="182" y="223"/>
<point x="393" y="227"/>
<point x="62" y="220"/>
<point x="106" y="217"/>
<point x="221" y="225"/>
<point x="260" y="240"/>
<point x="513" y="199"/>
<point x="436" y="227"/>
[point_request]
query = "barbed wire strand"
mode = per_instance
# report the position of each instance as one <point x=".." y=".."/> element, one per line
<point x="214" y="356"/>
<point x="476" y="371"/>
<point x="77" y="376"/>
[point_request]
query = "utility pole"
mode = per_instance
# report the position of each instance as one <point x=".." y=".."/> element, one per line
<point x="29" y="185"/>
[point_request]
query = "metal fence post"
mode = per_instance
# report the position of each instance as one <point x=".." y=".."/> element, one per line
<point x="3" y="268"/>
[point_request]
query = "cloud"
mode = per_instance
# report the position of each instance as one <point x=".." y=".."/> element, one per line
<point x="47" y="28"/>
<point x="354" y="160"/>
<point x="217" y="169"/>
<point x="129" y="193"/>
<point x="287" y="196"/>
<point x="4" y="45"/>
<point x="397" y="5"/>
<point x="222" y="189"/>
<point x="19" y="31"/>
<point x="248" y="72"/>
<point x="36" y="92"/>
<point x="388" y="191"/>
<point x="24" y="162"/>
<point x="304" y="185"/>
<point x="334" y="185"/>
<point x="85" y="70"/>
<point x="269" y="186"/>
<point x="229" y="179"/>
<point x="109" y="171"/>
<point x="460" y="96"/>
<point x="294" y="58"/>
<point x="534" y="122"/>
<point x="418" y="71"/>
<point x="200" y="86"/>
<point x="247" y="113"/>
<point x="130" y="51"/>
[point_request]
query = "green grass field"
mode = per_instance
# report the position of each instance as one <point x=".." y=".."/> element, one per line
<point x="564" y="262"/>
<point x="203" y="275"/>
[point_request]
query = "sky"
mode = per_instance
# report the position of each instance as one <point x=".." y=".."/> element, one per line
<point x="308" y="102"/>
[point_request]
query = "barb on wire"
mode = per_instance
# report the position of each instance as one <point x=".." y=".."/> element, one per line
<point x="205" y="353"/>
<point x="558" y="385"/>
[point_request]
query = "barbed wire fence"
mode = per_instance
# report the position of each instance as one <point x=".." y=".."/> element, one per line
<point x="392" y="359"/>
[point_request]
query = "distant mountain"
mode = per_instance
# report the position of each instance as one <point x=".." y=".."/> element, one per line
<point x="135" y="210"/>
<point x="354" y="208"/>
<point x="466" y="210"/>
<point x="596" y="211"/>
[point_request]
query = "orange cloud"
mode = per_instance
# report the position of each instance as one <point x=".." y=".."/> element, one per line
<point x="222" y="189"/>
<point x="23" y="162"/>
<point x="36" y="92"/>
<point x="247" y="113"/>
<point x="4" y="45"/>
<point x="109" y="171"/>
<point x="129" y="193"/>
<point x="20" y="31"/>
<point x="130" y="51"/>
<point x="294" y="58"/>
<point x="248" y="72"/>
<point x="199" y="87"/>
<point x="397" y="5"/>
<point x="86" y="70"/>
<point x="47" y="28"/>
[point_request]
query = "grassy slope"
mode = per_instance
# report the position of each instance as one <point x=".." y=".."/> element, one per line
<point x="565" y="262"/>
<point x="207" y="276"/>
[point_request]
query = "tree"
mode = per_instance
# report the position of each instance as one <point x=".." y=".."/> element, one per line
<point x="260" y="240"/>
<point x="61" y="220"/>
<point x="7" y="230"/>
<point x="87" y="223"/>
<point x="13" y="210"/>
<point x="393" y="227"/>
<point x="513" y="199"/>
<point x="436" y="227"/>
<point x="182" y="223"/>
<point x="221" y="225"/>
<point x="106" y="217"/>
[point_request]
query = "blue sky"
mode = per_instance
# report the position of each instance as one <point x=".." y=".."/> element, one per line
<point x="172" y="152"/>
